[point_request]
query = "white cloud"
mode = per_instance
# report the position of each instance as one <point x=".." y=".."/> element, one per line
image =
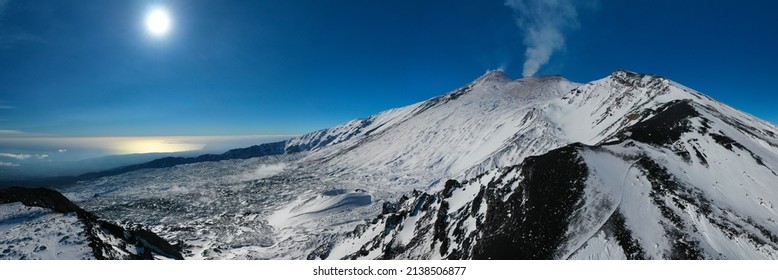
<point x="23" y="156"/>
<point x="8" y="164"/>
<point x="15" y="156"/>
<point x="62" y="150"/>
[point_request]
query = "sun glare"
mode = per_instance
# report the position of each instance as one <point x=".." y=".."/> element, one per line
<point x="152" y="145"/>
<point x="158" y="22"/>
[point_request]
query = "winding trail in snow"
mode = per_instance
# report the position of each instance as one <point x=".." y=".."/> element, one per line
<point x="613" y="211"/>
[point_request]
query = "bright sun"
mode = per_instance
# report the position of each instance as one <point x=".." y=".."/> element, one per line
<point x="140" y="145"/>
<point x="158" y="22"/>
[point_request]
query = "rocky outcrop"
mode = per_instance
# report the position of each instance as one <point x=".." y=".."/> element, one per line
<point x="106" y="239"/>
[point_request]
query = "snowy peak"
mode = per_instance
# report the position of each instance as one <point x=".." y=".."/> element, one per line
<point x="494" y="121"/>
<point x="596" y="111"/>
<point x="498" y="82"/>
<point x="493" y="76"/>
<point x="634" y="78"/>
<point x="665" y="172"/>
<point x="683" y="183"/>
<point x="500" y="77"/>
<point x="451" y="133"/>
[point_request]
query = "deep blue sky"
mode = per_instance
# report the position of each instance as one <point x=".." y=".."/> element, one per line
<point x="88" y="68"/>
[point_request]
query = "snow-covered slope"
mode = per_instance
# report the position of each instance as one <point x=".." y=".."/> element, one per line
<point x="43" y="224"/>
<point x="446" y="135"/>
<point x="37" y="233"/>
<point x="668" y="174"/>
<point x="628" y="166"/>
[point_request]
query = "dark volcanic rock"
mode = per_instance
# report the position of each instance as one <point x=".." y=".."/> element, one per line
<point x="667" y="126"/>
<point x="39" y="197"/>
<point x="135" y="241"/>
<point x="531" y="223"/>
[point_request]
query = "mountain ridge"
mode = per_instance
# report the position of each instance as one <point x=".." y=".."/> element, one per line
<point x="631" y="166"/>
<point x="643" y="143"/>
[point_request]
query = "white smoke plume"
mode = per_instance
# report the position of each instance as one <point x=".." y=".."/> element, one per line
<point x="543" y="23"/>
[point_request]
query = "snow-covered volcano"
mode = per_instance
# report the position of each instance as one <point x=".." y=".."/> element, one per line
<point x="654" y="171"/>
<point x="628" y="166"/>
<point x="475" y="126"/>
